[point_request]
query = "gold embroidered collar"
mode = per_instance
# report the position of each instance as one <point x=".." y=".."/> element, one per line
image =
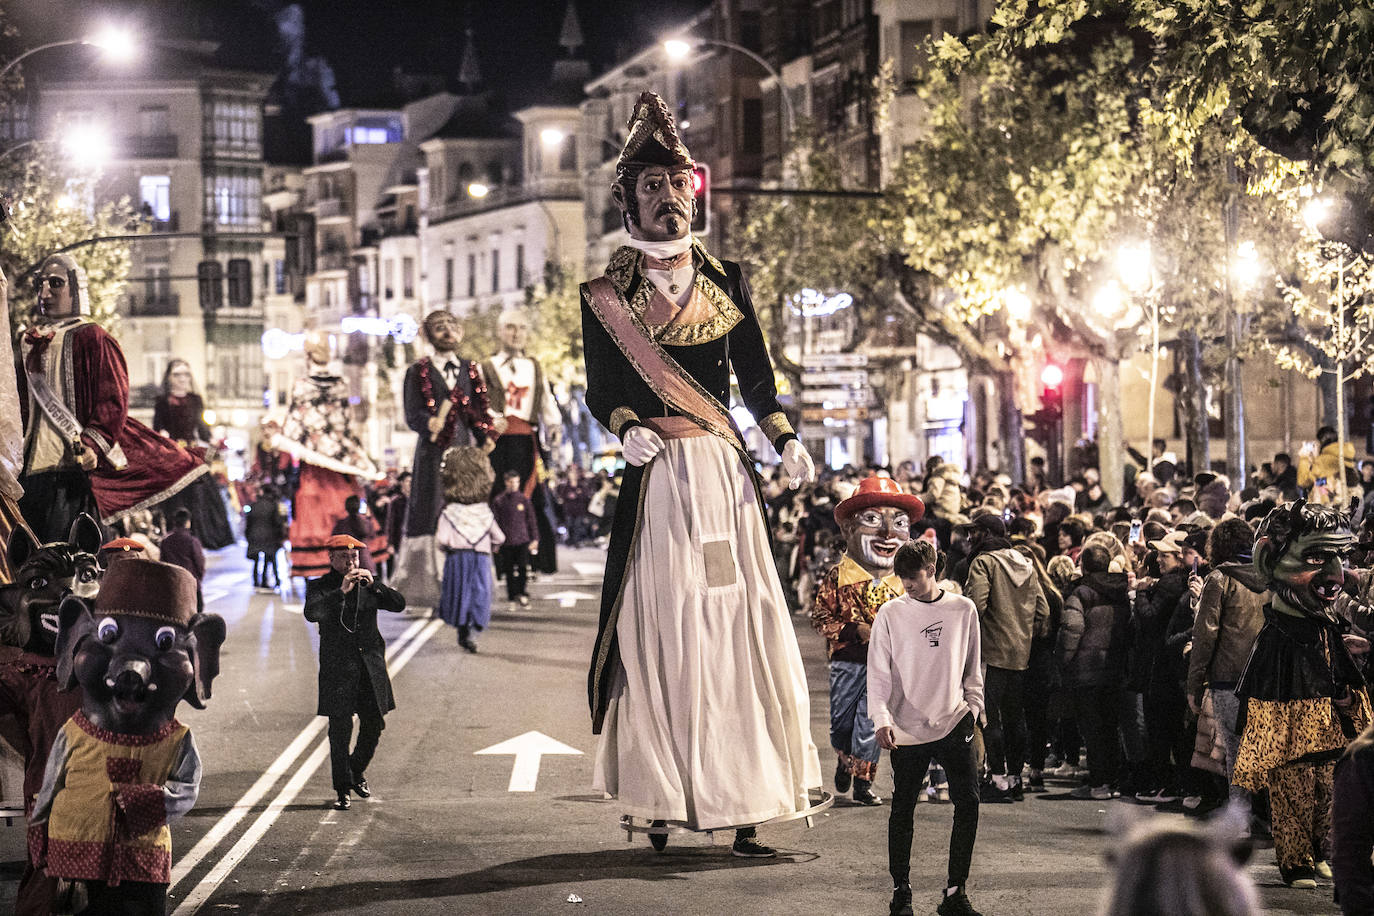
<point x="626" y="273"/>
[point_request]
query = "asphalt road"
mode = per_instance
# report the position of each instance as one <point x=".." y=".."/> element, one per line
<point x="444" y="833"/>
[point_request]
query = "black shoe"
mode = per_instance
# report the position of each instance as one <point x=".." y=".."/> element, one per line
<point x="1016" y="792"/>
<point x="342" y="803"/>
<point x="360" y="786"/>
<point x="658" y="840"/>
<point x="748" y="847"/>
<point x="957" y="904"/>
<point x="469" y="645"/>
<point x="863" y="793"/>
<point x="1036" y="784"/>
<point x="901" y="901"/>
<point x="842" y="777"/>
<point x="989" y="794"/>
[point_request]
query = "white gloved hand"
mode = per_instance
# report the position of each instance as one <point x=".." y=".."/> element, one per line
<point x="640" y="445"/>
<point x="796" y="461"/>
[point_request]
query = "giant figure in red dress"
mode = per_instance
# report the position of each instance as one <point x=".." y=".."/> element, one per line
<point x="82" y="451"/>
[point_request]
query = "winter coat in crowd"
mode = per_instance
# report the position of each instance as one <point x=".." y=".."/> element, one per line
<point x="1230" y="614"/>
<point x="1154" y="608"/>
<point x="1094" y="633"/>
<point x="943" y="496"/>
<point x="1012" y="607"/>
<point x="1326" y="466"/>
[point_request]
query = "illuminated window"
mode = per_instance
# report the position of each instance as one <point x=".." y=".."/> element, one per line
<point x="155" y="191"/>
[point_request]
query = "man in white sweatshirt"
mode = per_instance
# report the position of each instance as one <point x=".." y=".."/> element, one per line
<point x="925" y="695"/>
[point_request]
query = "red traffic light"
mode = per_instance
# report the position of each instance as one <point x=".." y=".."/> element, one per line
<point x="1052" y="376"/>
<point x="701" y="193"/>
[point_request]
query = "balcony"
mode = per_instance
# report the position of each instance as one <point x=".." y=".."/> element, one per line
<point x="329" y="207"/>
<point x="503" y="196"/>
<point x="161" y="305"/>
<point x="164" y="147"/>
<point x="333" y="260"/>
<point x="171" y="224"/>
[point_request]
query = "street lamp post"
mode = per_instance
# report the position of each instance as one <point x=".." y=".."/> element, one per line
<point x="679" y="48"/>
<point x="117" y="44"/>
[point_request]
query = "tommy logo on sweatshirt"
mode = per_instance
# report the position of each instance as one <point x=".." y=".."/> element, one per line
<point x="933" y="631"/>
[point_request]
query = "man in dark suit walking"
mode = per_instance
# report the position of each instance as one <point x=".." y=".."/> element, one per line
<point x="353" y="679"/>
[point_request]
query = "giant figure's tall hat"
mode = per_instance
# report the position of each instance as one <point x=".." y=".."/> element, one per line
<point x="653" y="137"/>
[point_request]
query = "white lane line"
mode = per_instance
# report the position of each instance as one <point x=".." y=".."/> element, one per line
<point x="211" y="882"/>
<point x="279" y="768"/>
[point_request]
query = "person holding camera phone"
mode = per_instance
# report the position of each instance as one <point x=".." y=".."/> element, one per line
<point x="1320" y="465"/>
<point x="353" y="679"/>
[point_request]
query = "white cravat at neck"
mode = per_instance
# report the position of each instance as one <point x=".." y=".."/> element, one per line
<point x="663" y="250"/>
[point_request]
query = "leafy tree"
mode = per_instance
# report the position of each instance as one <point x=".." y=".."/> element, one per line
<point x="1035" y="169"/>
<point x="788" y="244"/>
<point x="1332" y="301"/>
<point x="556" y="326"/>
<point x="51" y="212"/>
<point x="1299" y="73"/>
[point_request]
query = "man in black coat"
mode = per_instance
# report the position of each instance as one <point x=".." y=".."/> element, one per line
<point x="353" y="678"/>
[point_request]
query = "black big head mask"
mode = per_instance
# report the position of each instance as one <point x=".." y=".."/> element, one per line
<point x="139" y="648"/>
<point x="44" y="575"/>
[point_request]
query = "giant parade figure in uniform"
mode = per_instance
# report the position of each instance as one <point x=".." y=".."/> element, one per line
<point x="446" y="405"/>
<point x="82" y="450"/>
<point x="520" y="395"/>
<point x="319" y="435"/>
<point x="696" y="684"/>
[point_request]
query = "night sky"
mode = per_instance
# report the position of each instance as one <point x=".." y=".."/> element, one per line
<point x="363" y="40"/>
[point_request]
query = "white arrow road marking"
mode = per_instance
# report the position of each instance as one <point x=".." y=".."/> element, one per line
<point x="591" y="570"/>
<point x="527" y="748"/>
<point x="569" y="598"/>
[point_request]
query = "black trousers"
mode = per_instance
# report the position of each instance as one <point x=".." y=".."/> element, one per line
<point x="1097" y="712"/>
<point x="1038" y="689"/>
<point x="955" y="752"/>
<point x="346" y="768"/>
<point x="1170" y="742"/>
<point x="263" y="562"/>
<point x="1004" y="738"/>
<point x="516" y="563"/>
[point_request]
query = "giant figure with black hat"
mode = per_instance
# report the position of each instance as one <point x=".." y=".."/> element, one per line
<point x="82" y="450"/>
<point x="696" y="685"/>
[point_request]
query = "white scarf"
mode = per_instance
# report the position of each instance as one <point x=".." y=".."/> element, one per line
<point x="665" y="280"/>
<point x="663" y="250"/>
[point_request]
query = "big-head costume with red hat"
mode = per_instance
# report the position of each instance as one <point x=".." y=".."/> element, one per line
<point x="123" y="766"/>
<point x="662" y="331"/>
<point x="875" y="519"/>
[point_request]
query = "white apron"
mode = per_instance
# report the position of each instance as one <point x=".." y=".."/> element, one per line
<point x="708" y="722"/>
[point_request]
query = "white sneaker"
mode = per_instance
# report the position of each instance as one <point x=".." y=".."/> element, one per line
<point x="1102" y="793"/>
<point x="1323" y="869"/>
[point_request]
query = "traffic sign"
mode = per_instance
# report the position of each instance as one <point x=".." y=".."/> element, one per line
<point x="855" y="377"/>
<point x="843" y="395"/>
<point x="838" y="413"/>
<point x="832" y="360"/>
